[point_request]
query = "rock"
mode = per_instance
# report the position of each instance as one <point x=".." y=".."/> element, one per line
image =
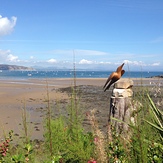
<point x="122" y="92"/>
<point x="158" y="76"/>
<point x="124" y="83"/>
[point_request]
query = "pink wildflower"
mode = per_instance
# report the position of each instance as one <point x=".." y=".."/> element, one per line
<point x="4" y="154"/>
<point x="26" y="159"/>
<point x="91" y="161"/>
<point x="95" y="140"/>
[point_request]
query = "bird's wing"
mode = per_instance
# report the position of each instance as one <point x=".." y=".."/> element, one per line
<point x="113" y="80"/>
<point x="108" y="80"/>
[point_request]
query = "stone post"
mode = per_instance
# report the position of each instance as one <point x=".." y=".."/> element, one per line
<point x="120" y="102"/>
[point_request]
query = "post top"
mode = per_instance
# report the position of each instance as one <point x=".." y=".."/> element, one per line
<point x="124" y="83"/>
<point x="122" y="93"/>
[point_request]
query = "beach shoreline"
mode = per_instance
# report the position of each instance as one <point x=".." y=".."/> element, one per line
<point x="15" y="94"/>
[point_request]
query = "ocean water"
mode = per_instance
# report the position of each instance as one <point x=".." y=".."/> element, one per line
<point x="70" y="74"/>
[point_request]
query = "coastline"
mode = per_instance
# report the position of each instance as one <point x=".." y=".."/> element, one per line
<point x="32" y="94"/>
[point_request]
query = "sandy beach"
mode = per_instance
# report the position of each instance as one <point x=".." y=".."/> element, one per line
<point x="32" y="94"/>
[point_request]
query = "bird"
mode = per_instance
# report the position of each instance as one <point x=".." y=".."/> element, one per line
<point x="115" y="76"/>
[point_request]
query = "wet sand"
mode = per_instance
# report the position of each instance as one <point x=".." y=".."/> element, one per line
<point x="32" y="95"/>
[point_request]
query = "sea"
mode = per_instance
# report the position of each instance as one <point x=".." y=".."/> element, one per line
<point x="4" y="74"/>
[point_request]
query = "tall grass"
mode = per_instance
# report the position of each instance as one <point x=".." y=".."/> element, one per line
<point x="25" y="123"/>
<point x="49" y="122"/>
<point x="65" y="138"/>
<point x="144" y="135"/>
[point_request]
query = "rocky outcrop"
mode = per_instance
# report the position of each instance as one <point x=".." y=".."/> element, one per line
<point x="15" y="67"/>
<point x="158" y="76"/>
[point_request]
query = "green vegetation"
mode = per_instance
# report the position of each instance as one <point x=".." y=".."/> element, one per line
<point x="66" y="141"/>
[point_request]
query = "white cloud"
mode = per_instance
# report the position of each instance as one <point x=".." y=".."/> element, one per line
<point x="102" y="62"/>
<point x="136" y="63"/>
<point x="84" y="61"/>
<point x="6" y="56"/>
<point x="12" y="58"/>
<point x="89" y="52"/>
<point x="77" y="52"/>
<point x="7" y="25"/>
<point x="140" y="63"/>
<point x="156" y="64"/>
<point x="52" y="61"/>
<point x="31" y="57"/>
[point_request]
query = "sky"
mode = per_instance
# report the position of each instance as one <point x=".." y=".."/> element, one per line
<point x="93" y="34"/>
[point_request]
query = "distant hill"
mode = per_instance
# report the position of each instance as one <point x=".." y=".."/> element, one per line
<point x="15" y="67"/>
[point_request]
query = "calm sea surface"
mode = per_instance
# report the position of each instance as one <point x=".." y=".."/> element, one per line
<point x="70" y="74"/>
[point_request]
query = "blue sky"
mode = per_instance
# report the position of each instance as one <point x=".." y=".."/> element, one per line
<point x="100" y="33"/>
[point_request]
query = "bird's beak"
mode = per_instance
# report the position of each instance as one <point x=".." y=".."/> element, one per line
<point x="122" y="65"/>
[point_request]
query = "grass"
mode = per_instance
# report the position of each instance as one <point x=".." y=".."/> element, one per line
<point x="66" y="141"/>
